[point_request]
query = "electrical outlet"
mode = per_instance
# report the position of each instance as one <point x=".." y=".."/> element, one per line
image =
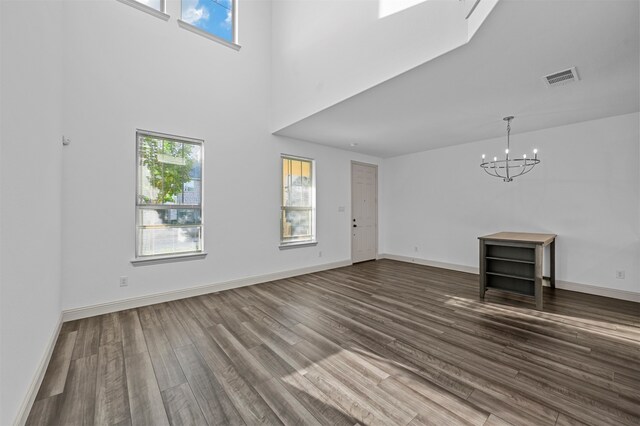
<point x="620" y="275"/>
<point x="124" y="281"/>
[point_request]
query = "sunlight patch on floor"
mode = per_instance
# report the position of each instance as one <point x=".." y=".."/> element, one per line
<point x="606" y="329"/>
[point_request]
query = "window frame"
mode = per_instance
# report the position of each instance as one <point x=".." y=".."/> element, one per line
<point x="154" y="258"/>
<point x="313" y="240"/>
<point x="162" y="13"/>
<point x="233" y="44"/>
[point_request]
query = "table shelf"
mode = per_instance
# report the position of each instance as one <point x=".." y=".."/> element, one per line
<point x="515" y="277"/>
<point x="506" y="259"/>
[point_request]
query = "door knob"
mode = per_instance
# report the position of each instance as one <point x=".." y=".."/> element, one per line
<point x="355" y="226"/>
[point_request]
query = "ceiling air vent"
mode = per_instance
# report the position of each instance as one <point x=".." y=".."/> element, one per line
<point x="562" y="77"/>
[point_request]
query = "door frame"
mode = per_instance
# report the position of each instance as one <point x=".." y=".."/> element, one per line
<point x="375" y="166"/>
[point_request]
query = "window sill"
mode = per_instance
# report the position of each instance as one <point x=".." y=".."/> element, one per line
<point x="287" y="246"/>
<point x="154" y="260"/>
<point x="145" y="8"/>
<point x="196" y="30"/>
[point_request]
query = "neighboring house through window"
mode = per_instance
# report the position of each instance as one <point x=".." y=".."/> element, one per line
<point x="169" y="195"/>
<point x="298" y="218"/>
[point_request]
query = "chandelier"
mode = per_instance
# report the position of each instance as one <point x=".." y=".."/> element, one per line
<point x="509" y="168"/>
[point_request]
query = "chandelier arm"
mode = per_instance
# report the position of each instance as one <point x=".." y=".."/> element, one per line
<point x="527" y="170"/>
<point x="532" y="164"/>
<point x="531" y="168"/>
<point x="489" y="173"/>
<point x="523" y="170"/>
<point x="519" y="174"/>
<point x="488" y="165"/>
<point x="495" y="170"/>
<point x="497" y="165"/>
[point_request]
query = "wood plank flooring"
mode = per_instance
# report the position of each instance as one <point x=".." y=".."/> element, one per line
<point x="377" y="343"/>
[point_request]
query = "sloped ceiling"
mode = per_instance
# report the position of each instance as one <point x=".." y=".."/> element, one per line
<point x="462" y="96"/>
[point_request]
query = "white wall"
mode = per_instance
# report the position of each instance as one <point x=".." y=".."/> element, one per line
<point x="126" y="70"/>
<point x="30" y="173"/>
<point x="586" y="190"/>
<point x="325" y="51"/>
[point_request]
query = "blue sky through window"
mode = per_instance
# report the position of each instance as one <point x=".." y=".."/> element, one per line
<point x="212" y="16"/>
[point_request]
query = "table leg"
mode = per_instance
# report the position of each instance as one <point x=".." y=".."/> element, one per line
<point x="538" y="290"/>
<point x="483" y="265"/>
<point x="552" y="265"/>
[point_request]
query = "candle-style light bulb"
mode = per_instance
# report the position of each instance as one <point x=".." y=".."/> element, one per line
<point x="495" y="158"/>
<point x="506" y="151"/>
<point x="535" y="151"/>
<point x="483" y="156"/>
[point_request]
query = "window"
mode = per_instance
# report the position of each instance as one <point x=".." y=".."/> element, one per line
<point x="297" y="221"/>
<point x="152" y="7"/>
<point x="169" y="195"/>
<point x="211" y="17"/>
<point x="155" y="4"/>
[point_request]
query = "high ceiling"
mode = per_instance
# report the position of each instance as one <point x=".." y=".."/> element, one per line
<point x="462" y="96"/>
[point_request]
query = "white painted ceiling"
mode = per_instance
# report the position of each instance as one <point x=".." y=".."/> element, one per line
<point x="462" y="96"/>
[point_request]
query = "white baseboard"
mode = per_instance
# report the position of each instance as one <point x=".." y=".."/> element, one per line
<point x="452" y="266"/>
<point x="135" y="302"/>
<point x="32" y="392"/>
<point x="565" y="285"/>
<point x="599" y="291"/>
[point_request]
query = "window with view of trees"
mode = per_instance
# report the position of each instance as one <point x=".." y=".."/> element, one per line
<point x="169" y="195"/>
<point x="216" y="17"/>
<point x="297" y="222"/>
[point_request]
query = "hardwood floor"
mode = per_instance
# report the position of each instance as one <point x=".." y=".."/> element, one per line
<point x="381" y="343"/>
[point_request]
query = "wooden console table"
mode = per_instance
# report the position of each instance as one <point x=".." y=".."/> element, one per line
<point x="512" y="261"/>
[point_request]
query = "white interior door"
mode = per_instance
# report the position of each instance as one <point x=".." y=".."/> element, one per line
<point x="364" y="212"/>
